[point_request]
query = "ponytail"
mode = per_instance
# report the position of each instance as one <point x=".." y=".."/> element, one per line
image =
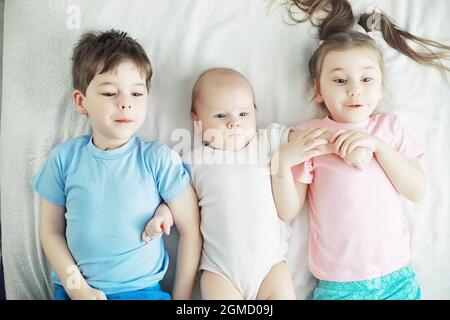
<point x="340" y="20"/>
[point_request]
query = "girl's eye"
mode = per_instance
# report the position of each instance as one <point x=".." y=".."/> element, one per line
<point x="340" y="81"/>
<point x="220" y="115"/>
<point x="137" y="94"/>
<point x="367" y="79"/>
<point x="243" y="114"/>
<point x="108" y="94"/>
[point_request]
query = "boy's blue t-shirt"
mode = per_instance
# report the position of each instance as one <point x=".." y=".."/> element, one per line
<point x="109" y="198"/>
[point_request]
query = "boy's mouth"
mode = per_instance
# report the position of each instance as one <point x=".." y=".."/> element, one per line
<point x="123" y="120"/>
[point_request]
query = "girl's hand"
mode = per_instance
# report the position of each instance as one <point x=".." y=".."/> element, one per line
<point x="359" y="158"/>
<point x="345" y="141"/>
<point x="303" y="145"/>
<point x="159" y="224"/>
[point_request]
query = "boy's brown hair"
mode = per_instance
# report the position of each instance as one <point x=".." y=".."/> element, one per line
<point x="98" y="52"/>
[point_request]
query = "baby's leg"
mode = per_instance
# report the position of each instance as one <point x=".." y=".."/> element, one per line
<point x="215" y="287"/>
<point x="277" y="285"/>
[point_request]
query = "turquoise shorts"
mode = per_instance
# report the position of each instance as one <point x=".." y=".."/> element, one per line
<point x="398" y="285"/>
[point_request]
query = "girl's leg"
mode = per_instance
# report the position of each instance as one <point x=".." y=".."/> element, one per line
<point x="277" y="285"/>
<point x="215" y="287"/>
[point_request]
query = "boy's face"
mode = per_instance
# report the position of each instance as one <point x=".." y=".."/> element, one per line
<point x="350" y="84"/>
<point x="116" y="103"/>
<point x="225" y="114"/>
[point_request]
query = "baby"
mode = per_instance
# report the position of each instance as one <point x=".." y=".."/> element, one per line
<point x="245" y="243"/>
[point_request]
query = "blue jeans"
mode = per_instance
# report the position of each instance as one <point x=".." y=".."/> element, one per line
<point x="150" y="293"/>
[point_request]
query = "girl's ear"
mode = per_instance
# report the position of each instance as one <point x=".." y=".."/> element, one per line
<point x="197" y="123"/>
<point x="78" y="100"/>
<point x="318" y="97"/>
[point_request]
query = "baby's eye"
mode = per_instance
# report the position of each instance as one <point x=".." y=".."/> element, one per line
<point x="340" y="81"/>
<point x="220" y="115"/>
<point x="108" y="94"/>
<point x="368" y="79"/>
<point x="243" y="114"/>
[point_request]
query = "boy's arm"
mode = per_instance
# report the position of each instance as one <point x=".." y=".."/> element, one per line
<point x="186" y="216"/>
<point x="52" y="234"/>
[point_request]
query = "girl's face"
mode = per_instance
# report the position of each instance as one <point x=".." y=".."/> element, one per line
<point x="350" y="84"/>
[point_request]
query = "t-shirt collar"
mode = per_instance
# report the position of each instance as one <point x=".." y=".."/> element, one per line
<point x="110" y="154"/>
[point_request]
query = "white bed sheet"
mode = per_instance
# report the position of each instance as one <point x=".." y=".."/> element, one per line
<point x="183" y="38"/>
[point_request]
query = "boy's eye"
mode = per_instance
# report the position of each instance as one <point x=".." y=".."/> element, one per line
<point x="367" y="79"/>
<point x="220" y="115"/>
<point x="108" y="94"/>
<point x="243" y="114"/>
<point x="340" y="81"/>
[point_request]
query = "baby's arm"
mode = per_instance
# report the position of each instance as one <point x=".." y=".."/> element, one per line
<point x="289" y="195"/>
<point x="52" y="234"/>
<point x="186" y="215"/>
<point x="160" y="223"/>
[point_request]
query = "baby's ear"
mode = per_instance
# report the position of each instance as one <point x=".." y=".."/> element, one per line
<point x="197" y="123"/>
<point x="78" y="100"/>
<point x="318" y="97"/>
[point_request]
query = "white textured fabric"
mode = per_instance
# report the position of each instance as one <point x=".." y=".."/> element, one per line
<point x="183" y="38"/>
<point x="243" y="237"/>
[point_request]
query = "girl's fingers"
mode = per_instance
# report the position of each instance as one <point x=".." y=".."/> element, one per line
<point x="317" y="132"/>
<point x="336" y="134"/>
<point x="314" y="143"/>
<point x="340" y="140"/>
<point x="354" y="138"/>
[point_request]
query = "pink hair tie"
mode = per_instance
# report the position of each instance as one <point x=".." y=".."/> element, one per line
<point x="321" y="42"/>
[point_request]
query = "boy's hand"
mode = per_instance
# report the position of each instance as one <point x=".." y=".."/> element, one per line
<point x="159" y="224"/>
<point x="87" y="293"/>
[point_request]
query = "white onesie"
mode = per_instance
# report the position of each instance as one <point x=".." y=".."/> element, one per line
<point x="243" y="235"/>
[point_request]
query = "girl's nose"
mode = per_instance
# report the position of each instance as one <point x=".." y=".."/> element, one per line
<point x="354" y="90"/>
<point x="123" y="107"/>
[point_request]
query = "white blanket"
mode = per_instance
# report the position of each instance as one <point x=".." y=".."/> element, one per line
<point x="183" y="38"/>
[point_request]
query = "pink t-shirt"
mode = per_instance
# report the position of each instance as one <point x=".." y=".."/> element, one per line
<point x="357" y="229"/>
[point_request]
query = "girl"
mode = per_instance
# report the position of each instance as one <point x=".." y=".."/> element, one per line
<point x="359" y="244"/>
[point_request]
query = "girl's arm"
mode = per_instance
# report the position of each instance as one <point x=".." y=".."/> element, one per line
<point x="289" y="195"/>
<point x="52" y="234"/>
<point x="186" y="215"/>
<point x="407" y="176"/>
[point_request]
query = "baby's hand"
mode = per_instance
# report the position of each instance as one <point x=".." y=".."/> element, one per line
<point x="159" y="224"/>
<point x="360" y="158"/>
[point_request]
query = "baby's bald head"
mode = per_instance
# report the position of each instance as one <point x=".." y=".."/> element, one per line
<point x="217" y="79"/>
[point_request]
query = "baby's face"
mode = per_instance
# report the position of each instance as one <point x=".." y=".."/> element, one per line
<point x="116" y="103"/>
<point x="225" y="114"/>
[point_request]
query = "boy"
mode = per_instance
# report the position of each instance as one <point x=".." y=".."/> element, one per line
<point x="98" y="191"/>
